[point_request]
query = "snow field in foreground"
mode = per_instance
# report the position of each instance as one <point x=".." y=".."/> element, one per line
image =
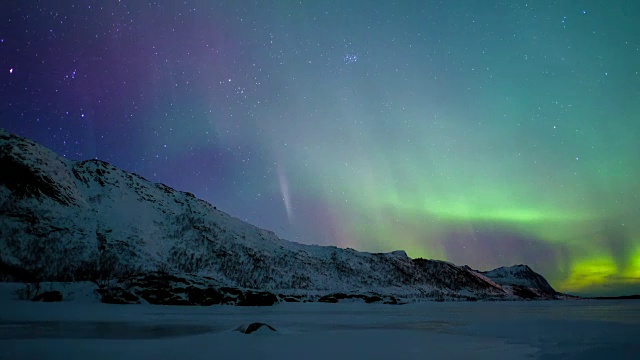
<point x="82" y="328"/>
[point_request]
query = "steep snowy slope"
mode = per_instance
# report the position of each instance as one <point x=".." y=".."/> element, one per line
<point x="57" y="217"/>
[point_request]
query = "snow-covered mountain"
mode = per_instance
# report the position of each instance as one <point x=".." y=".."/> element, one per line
<point x="521" y="280"/>
<point x="59" y="218"/>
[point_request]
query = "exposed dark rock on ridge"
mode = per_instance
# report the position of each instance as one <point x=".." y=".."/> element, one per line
<point x="49" y="296"/>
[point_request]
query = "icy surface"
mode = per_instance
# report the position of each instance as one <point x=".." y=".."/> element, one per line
<point x="82" y="328"/>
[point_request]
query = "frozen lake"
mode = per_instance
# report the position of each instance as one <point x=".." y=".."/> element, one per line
<point x="510" y="330"/>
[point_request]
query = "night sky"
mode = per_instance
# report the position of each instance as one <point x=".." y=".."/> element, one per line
<point x="486" y="133"/>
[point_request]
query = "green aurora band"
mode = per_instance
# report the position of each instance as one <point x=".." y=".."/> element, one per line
<point x="564" y="183"/>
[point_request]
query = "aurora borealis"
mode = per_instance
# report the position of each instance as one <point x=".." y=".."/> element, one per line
<point x="486" y="133"/>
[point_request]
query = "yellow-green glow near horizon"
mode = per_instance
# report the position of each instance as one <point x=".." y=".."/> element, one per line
<point x="633" y="271"/>
<point x="586" y="273"/>
<point x="486" y="133"/>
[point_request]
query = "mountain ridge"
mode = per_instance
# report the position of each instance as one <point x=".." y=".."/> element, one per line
<point x="58" y="216"/>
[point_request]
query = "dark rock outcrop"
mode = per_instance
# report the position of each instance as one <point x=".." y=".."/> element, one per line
<point x="49" y="296"/>
<point x="368" y="299"/>
<point x="254" y="327"/>
<point x="117" y="295"/>
<point x="262" y="298"/>
<point x="292" y="298"/>
<point x="204" y="297"/>
<point x="163" y="289"/>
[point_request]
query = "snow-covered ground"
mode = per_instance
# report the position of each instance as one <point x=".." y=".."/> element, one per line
<point x="81" y="328"/>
